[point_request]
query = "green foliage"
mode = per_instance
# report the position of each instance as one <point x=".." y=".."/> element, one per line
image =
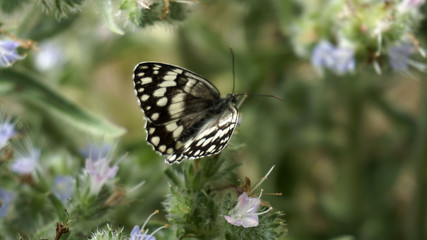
<point x="349" y="149"/>
<point x="107" y="233"/>
<point x="8" y="7"/>
<point x="62" y="8"/>
<point x="197" y="203"/>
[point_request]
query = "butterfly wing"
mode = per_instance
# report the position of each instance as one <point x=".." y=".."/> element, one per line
<point x="175" y="103"/>
<point x="211" y="138"/>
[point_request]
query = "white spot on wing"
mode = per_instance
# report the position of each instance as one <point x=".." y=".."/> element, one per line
<point x="162" y="148"/>
<point x="159" y="92"/>
<point x="146" y="80"/>
<point x="175" y="108"/>
<point x="200" y="142"/>
<point x="177" y="70"/>
<point x="155" y="140"/>
<point x="207" y="141"/>
<point x="144" y="97"/>
<point x="167" y="84"/>
<point x="177" y="131"/>
<point x="151" y="130"/>
<point x="169" y="77"/>
<point x="171" y="127"/>
<point x="162" y="102"/>
<point x="211" y="149"/>
<point x="155" y="116"/>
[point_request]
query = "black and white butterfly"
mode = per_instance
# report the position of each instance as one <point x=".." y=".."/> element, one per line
<point x="186" y="118"/>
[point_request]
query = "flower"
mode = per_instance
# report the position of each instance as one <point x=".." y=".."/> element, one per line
<point x="142" y="234"/>
<point x="344" y="60"/>
<point x="7" y="130"/>
<point x="327" y="56"/>
<point x="399" y="56"/>
<point x="26" y="160"/>
<point x="6" y="199"/>
<point x="63" y="187"/>
<point x="99" y="171"/>
<point x="8" y="53"/>
<point x="245" y="212"/>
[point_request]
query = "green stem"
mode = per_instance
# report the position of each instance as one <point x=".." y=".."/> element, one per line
<point x="30" y="20"/>
<point x="355" y="159"/>
<point x="419" y="210"/>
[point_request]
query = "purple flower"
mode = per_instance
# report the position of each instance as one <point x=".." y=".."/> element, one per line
<point x="8" y="53"/>
<point x="63" y="187"/>
<point x="327" y="56"/>
<point x="142" y="234"/>
<point x="245" y="212"/>
<point x="6" y="199"/>
<point x="99" y="171"/>
<point x="7" y="130"/>
<point x="399" y="56"/>
<point x="344" y="61"/>
<point x="26" y="160"/>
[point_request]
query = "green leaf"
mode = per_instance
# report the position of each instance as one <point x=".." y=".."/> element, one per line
<point x="29" y="88"/>
<point x="59" y="207"/>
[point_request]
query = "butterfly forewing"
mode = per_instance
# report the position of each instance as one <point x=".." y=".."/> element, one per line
<point x="182" y="109"/>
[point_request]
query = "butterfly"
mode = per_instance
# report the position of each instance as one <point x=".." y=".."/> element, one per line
<point x="186" y="117"/>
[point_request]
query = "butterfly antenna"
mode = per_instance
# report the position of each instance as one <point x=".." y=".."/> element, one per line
<point x="262" y="95"/>
<point x="232" y="64"/>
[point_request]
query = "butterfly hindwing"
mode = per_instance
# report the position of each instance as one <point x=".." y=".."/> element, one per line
<point x="181" y="107"/>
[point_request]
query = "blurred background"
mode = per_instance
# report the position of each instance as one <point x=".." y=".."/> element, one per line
<point x="349" y="150"/>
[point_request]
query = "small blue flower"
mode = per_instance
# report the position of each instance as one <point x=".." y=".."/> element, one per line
<point x="399" y="56"/>
<point x="142" y="234"/>
<point x="6" y="199"/>
<point x="323" y="55"/>
<point x="7" y="130"/>
<point x="8" y="53"/>
<point x="63" y="187"/>
<point x="26" y="160"/>
<point x="344" y="61"/>
<point x="327" y="56"/>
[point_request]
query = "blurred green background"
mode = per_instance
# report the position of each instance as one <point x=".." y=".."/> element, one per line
<point x="349" y="151"/>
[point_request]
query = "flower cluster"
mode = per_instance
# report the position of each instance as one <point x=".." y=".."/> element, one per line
<point x="340" y="34"/>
